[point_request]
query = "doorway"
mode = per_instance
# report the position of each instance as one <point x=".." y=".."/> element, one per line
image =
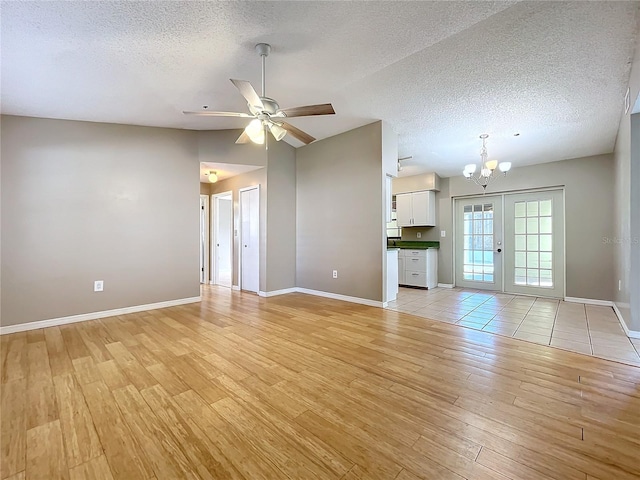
<point x="511" y="243"/>
<point x="222" y="232"/>
<point x="250" y="239"/>
<point x="204" y="239"/>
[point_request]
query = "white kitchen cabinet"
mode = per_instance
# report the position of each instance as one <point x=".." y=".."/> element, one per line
<point x="416" y="209"/>
<point x="418" y="268"/>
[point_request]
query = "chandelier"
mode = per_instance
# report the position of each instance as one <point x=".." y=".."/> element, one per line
<point x="487" y="167"/>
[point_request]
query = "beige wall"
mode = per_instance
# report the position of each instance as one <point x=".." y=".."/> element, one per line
<point x="340" y="215"/>
<point x="589" y="207"/>
<point x="416" y="183"/>
<point x="624" y="187"/>
<point x="218" y="146"/>
<point x="281" y="217"/>
<point x="89" y="201"/>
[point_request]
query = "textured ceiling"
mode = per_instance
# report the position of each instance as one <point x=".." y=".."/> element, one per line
<point x="440" y="73"/>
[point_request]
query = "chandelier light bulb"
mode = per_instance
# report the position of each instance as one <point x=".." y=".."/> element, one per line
<point x="505" y="167"/>
<point x="491" y="164"/>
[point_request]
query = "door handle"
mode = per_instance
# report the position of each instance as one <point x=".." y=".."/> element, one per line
<point x="499" y="250"/>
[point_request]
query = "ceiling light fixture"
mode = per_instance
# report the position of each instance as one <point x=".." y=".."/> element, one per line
<point x="400" y="160"/>
<point x="212" y="176"/>
<point x="487" y="167"/>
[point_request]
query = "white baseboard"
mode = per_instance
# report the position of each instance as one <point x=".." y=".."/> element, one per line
<point x="274" y="293"/>
<point x="445" y="285"/>
<point x="54" y="322"/>
<point x="337" y="296"/>
<point x="235" y="287"/>
<point x="630" y="333"/>
<point x="589" y="301"/>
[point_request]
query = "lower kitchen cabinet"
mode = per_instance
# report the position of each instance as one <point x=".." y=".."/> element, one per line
<point x="418" y="268"/>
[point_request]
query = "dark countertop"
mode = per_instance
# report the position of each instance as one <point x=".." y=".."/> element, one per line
<point x="410" y="244"/>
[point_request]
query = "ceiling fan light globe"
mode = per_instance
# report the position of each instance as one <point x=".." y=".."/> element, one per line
<point x="254" y="128"/>
<point x="258" y="137"/>
<point x="277" y="131"/>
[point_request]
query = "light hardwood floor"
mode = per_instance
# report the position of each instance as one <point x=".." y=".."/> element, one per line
<point x="301" y="387"/>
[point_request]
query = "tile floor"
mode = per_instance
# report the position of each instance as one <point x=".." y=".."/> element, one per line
<point x="588" y="329"/>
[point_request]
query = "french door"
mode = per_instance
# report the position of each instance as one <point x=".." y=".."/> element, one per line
<point x="479" y="243"/>
<point x="534" y="229"/>
<point x="511" y="243"/>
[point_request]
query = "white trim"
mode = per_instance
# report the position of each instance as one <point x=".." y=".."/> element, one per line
<point x="589" y="301"/>
<point x="345" y="298"/>
<point x="445" y="285"/>
<point x="630" y="333"/>
<point x="54" y="322"/>
<point x="274" y="293"/>
<point x="235" y="287"/>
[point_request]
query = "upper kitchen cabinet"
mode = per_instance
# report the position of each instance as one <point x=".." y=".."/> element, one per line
<point x="416" y="209"/>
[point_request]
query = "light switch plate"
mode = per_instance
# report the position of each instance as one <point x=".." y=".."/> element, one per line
<point x="443" y="233"/>
<point x="98" y="286"/>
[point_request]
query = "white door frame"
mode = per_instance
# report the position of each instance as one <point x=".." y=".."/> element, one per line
<point x="215" y="215"/>
<point x="503" y="194"/>
<point x="204" y="274"/>
<point x="240" y="190"/>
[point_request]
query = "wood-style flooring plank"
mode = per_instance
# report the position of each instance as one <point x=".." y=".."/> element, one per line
<point x="45" y="453"/>
<point x="80" y="437"/>
<point x="303" y="387"/>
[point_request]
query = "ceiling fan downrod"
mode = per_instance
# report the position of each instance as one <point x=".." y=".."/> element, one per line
<point x="263" y="49"/>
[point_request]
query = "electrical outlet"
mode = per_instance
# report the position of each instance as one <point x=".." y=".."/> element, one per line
<point x="98" y="286"/>
<point x="335" y="274"/>
<point x="419" y="234"/>
<point x="443" y="233"/>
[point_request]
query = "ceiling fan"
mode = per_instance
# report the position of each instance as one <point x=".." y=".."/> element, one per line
<point x="266" y="112"/>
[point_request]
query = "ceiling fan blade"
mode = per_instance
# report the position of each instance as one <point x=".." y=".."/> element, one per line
<point x="243" y="138"/>
<point x="297" y="133"/>
<point x="308" y="110"/>
<point x="248" y="92"/>
<point x="207" y="113"/>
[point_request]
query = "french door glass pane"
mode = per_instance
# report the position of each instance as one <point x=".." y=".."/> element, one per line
<point x="478" y="243"/>
<point x="533" y="243"/>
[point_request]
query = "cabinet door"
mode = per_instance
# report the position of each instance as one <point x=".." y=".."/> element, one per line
<point x="424" y="211"/>
<point x="401" y="270"/>
<point x="404" y="211"/>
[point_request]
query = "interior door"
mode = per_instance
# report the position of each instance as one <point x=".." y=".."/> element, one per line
<point x="534" y="240"/>
<point x="223" y="238"/>
<point x="250" y="239"/>
<point x="478" y="243"/>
